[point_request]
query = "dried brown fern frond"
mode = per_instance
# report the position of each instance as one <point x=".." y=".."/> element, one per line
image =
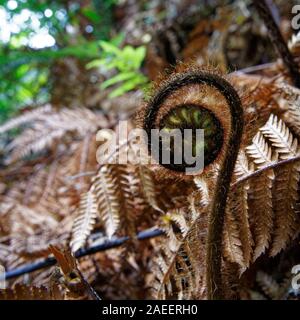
<point x="269" y="190"/>
<point x="119" y="195"/>
<point x="27" y="117"/>
<point x="180" y="265"/>
<point x="84" y="223"/>
<point x="238" y="238"/>
<point x="108" y="198"/>
<point x="27" y="292"/>
<point x="294" y="44"/>
<point x="50" y="128"/>
<point x="271" y="288"/>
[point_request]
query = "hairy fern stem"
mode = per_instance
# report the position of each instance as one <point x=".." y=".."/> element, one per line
<point x="218" y="205"/>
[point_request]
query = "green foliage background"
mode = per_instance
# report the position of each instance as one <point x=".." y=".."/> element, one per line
<point x="25" y="78"/>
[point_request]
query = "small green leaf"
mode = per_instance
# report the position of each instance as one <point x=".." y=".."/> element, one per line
<point x="110" y="48"/>
<point x="118" y="78"/>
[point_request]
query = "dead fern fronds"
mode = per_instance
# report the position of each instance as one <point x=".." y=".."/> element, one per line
<point x="27" y="117"/>
<point x="27" y="292"/>
<point x="50" y="128"/>
<point x="272" y="195"/>
<point x="180" y="265"/>
<point x="85" y="221"/>
<point x="118" y="196"/>
<point x="272" y="288"/>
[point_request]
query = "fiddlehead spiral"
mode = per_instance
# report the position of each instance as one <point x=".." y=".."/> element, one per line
<point x="189" y="116"/>
<point x="202" y="99"/>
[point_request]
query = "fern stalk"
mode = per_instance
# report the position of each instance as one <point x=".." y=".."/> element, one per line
<point x="216" y="220"/>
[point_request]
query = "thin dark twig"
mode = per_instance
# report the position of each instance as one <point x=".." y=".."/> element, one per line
<point x="277" y="40"/>
<point x="50" y="261"/>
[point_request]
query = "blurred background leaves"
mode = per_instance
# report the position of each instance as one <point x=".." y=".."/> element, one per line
<point x="36" y="34"/>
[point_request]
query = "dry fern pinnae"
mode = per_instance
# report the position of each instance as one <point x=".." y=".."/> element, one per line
<point x="148" y="187"/>
<point x="281" y="137"/>
<point x="179" y="265"/>
<point x="119" y="194"/>
<point x="294" y="44"/>
<point x="27" y="117"/>
<point x="108" y="195"/>
<point x="50" y="128"/>
<point x="261" y="195"/>
<point x="238" y="240"/>
<point x="132" y="201"/>
<point x="27" y="292"/>
<point x="286" y="183"/>
<point x="271" y="288"/>
<point x="84" y="222"/>
<point x="269" y="198"/>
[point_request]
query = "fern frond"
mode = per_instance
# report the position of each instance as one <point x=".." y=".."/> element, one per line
<point x="26" y="117"/>
<point x="233" y="249"/>
<point x="51" y="128"/>
<point x="238" y="236"/>
<point x="122" y="194"/>
<point x="179" y="268"/>
<point x="26" y="292"/>
<point x="131" y="198"/>
<point x="294" y="44"/>
<point x="280" y="136"/>
<point x="285" y="189"/>
<point x="285" y="197"/>
<point x="269" y="285"/>
<point x="108" y="196"/>
<point x="260" y="151"/>
<point x="84" y="223"/>
<point x="148" y="187"/>
<point x="261" y="209"/>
